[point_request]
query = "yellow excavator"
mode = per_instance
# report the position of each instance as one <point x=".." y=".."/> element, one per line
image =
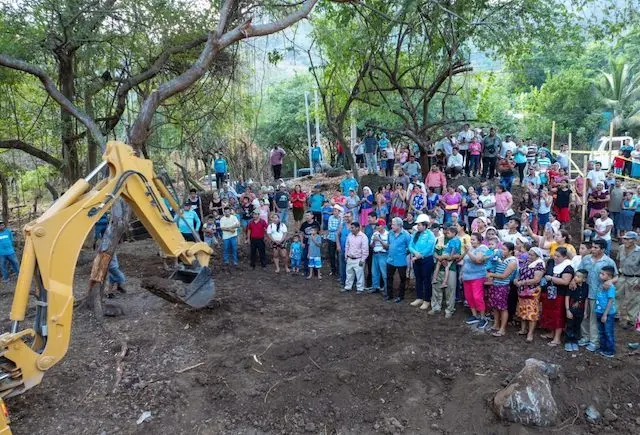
<point x="52" y="245"/>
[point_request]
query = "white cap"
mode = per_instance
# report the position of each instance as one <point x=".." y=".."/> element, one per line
<point x="337" y="207"/>
<point x="423" y="219"/>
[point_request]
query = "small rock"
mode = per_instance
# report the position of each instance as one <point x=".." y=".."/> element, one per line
<point x="592" y="414"/>
<point x="376" y="426"/>
<point x="616" y="406"/>
<point x="609" y="416"/>
<point x="580" y="368"/>
<point x="144" y="417"/>
<point x="310" y="427"/>
<point x="435" y="426"/>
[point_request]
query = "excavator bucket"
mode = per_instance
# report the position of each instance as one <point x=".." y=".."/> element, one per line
<point x="193" y="287"/>
<point x="201" y="288"/>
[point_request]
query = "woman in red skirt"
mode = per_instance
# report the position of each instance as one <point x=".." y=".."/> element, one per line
<point x="559" y="275"/>
<point x="562" y="201"/>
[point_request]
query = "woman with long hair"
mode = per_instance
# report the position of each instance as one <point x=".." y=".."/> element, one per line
<point x="559" y="275"/>
<point x="528" y="284"/>
<point x="505" y="271"/>
<point x="277" y="234"/>
<point x="399" y="202"/>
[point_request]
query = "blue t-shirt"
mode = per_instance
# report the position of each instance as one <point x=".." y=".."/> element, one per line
<point x="602" y="299"/>
<point x="472" y="270"/>
<point x="316" y="153"/>
<point x="383" y="143"/>
<point x="327" y="211"/>
<point x="495" y="255"/>
<point x="295" y="252"/>
<point x="344" y="233"/>
<point x="6" y="242"/>
<point x="315" y="202"/>
<point x="347" y="184"/>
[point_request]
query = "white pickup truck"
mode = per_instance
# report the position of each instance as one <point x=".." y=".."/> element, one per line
<point x="601" y="152"/>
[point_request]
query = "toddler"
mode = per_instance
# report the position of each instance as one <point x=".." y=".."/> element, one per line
<point x="209" y="230"/>
<point x="295" y="254"/>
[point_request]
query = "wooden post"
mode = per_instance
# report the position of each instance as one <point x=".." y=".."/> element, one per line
<point x="610" y="145"/>
<point x="584" y="197"/>
<point x="553" y="136"/>
<point x="570" y="167"/>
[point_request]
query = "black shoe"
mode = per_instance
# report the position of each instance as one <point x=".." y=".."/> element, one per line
<point x="398" y="300"/>
<point x="122" y="290"/>
<point x="387" y="298"/>
<point x="373" y="290"/>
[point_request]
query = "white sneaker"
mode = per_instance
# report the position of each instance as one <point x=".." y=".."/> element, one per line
<point x="425" y="305"/>
<point x="416" y="303"/>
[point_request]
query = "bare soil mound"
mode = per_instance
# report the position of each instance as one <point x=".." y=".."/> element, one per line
<point x="280" y="354"/>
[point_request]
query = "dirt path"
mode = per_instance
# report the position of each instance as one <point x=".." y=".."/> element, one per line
<point x="324" y="363"/>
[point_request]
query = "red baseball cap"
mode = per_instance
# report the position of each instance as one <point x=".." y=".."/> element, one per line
<point x="382" y="222"/>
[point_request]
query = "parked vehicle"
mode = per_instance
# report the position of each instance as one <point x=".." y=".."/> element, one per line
<point x="601" y="152"/>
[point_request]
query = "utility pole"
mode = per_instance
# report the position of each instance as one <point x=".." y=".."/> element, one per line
<point x="306" y="107"/>
<point x="315" y="94"/>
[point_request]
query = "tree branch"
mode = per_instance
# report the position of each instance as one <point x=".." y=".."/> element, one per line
<point x="20" y="65"/>
<point x="16" y="144"/>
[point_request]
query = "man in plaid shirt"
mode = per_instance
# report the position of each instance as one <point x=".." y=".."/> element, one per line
<point x="332" y="232"/>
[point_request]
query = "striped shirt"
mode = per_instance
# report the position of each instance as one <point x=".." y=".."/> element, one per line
<point x="501" y="266"/>
<point x="532" y="153"/>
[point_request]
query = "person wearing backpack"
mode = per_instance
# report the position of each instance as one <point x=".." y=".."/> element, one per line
<point x="490" y="151"/>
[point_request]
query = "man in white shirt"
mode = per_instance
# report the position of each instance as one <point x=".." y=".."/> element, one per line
<point x="455" y="163"/>
<point x="379" y="245"/>
<point x="464" y="139"/>
<point x="507" y="145"/>
<point x="603" y="226"/>
<point x="229" y="225"/>
<point x="596" y="176"/>
<point x="511" y="234"/>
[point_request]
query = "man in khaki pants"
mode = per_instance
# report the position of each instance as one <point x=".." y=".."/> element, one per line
<point x="628" y="286"/>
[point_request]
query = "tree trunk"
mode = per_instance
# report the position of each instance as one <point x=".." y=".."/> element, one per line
<point x="92" y="145"/>
<point x="66" y="76"/>
<point x="120" y="216"/>
<point x="4" y="190"/>
<point x="337" y="129"/>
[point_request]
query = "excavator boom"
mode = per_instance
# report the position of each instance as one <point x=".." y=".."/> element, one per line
<point x="52" y="245"/>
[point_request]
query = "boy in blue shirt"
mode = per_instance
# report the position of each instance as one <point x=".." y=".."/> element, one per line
<point x="316" y="200"/>
<point x="295" y="254"/>
<point x="606" y="312"/>
<point x="327" y="211"/>
<point x="7" y="252"/>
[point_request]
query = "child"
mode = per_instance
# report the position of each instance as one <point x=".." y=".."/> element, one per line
<point x="295" y="254"/>
<point x="314" y="256"/>
<point x="439" y="251"/>
<point x="383" y="162"/>
<point x="327" y="211"/>
<point x="618" y="163"/>
<point x="494" y="255"/>
<point x="475" y="148"/>
<point x="606" y="312"/>
<point x="575" y="304"/>
<point x="438" y="213"/>
<point x="216" y="219"/>
<point x="209" y="230"/>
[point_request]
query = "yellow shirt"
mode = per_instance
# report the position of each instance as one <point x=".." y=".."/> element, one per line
<point x="570" y="249"/>
<point x="464" y="240"/>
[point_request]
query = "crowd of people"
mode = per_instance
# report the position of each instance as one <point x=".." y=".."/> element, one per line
<point x="506" y="260"/>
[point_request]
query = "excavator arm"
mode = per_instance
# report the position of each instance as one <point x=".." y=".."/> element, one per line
<point x="52" y="246"/>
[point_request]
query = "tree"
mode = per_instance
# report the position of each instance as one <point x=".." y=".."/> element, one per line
<point x="619" y="88"/>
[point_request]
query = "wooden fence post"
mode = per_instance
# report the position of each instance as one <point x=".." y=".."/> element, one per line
<point x="584" y="197"/>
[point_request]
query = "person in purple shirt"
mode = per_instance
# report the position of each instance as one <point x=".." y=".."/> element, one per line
<point x="275" y="160"/>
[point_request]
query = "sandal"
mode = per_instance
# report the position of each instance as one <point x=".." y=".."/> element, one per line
<point x="546" y="336"/>
<point x="522" y="332"/>
<point x="530" y="340"/>
<point x="498" y="334"/>
<point x="553" y="344"/>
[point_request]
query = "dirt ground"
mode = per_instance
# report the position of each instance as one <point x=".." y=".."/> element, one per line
<point x="280" y="354"/>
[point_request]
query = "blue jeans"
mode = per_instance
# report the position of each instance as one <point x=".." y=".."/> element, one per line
<point x="506" y="182"/>
<point x="379" y="268"/>
<point x="543" y="219"/>
<point x="474" y="164"/>
<point x="13" y="261"/>
<point x="283" y="215"/>
<point x="230" y="248"/>
<point x="607" y="333"/>
<point x="372" y="162"/>
<point x="115" y="274"/>
<point x="317" y="167"/>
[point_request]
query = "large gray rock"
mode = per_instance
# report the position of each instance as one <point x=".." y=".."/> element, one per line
<point x="528" y="399"/>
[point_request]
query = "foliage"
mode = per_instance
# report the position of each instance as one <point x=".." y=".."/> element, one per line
<point x="619" y="89"/>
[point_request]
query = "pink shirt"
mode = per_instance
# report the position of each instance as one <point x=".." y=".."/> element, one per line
<point x="435" y="179"/>
<point x="357" y="247"/>
<point x="475" y="148"/>
<point x="504" y="201"/>
<point x="275" y="158"/>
